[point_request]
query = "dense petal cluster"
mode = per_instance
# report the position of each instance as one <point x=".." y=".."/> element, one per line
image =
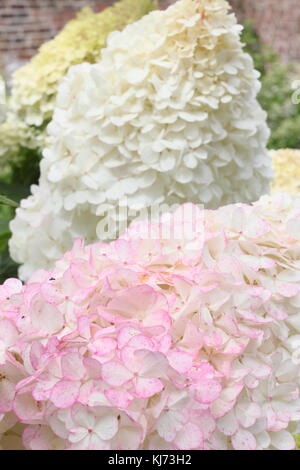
<point x="182" y="334"/>
<point x="168" y="115"/>
<point x="35" y="85"/>
<point x="286" y="164"/>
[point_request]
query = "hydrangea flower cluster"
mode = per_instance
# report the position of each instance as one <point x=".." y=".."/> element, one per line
<point x="152" y="341"/>
<point x="168" y="115"/>
<point x="81" y="40"/>
<point x="35" y="85"/>
<point x="286" y="171"/>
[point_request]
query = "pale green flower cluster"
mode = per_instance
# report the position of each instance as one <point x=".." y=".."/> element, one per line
<point x="15" y="138"/>
<point x="35" y="85"/>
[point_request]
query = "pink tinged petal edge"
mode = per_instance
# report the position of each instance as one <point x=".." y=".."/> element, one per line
<point x="72" y="366"/>
<point x="119" y="398"/>
<point x="207" y="391"/>
<point x="243" y="440"/>
<point x="180" y="361"/>
<point x="7" y="393"/>
<point x="190" y="437"/>
<point x="228" y="424"/>
<point x="27" y="409"/>
<point x="146" y="388"/>
<point x="115" y="374"/>
<point x="65" y="393"/>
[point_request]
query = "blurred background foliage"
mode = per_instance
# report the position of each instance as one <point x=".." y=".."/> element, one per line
<point x="276" y="92"/>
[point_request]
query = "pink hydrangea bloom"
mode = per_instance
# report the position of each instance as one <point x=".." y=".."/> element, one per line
<point x="188" y="342"/>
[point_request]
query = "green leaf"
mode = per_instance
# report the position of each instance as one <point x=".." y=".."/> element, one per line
<point x="14" y="191"/>
<point x="8" y="268"/>
<point x="8" y="202"/>
<point x="297" y="439"/>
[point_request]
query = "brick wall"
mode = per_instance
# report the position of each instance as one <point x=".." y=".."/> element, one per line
<point x="25" y="24"/>
<point x="277" y="22"/>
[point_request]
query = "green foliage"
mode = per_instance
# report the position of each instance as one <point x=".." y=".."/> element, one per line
<point x="5" y="201"/>
<point x="276" y="92"/>
<point x="14" y="187"/>
<point x="7" y="267"/>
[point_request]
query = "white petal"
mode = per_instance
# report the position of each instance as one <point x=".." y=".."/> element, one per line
<point x="106" y="427"/>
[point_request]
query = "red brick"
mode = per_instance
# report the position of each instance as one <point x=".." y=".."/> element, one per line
<point x="36" y="21"/>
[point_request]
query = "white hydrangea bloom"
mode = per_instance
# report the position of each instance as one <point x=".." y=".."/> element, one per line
<point x="168" y="115"/>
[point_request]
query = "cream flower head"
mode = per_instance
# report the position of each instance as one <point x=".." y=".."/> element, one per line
<point x="168" y="115"/>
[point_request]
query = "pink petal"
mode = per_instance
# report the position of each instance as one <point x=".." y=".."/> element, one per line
<point x="161" y="318"/>
<point x="7" y="393"/>
<point x="243" y="440"/>
<point x="189" y="438"/>
<point x="115" y="374"/>
<point x="45" y="317"/>
<point x="92" y="367"/>
<point x="154" y="364"/>
<point x="27" y="409"/>
<point x="72" y="366"/>
<point x="207" y="391"/>
<point x="247" y="413"/>
<point x="228" y="424"/>
<point x="180" y="361"/>
<point x="103" y="346"/>
<point x="118" y="398"/>
<point x="137" y="302"/>
<point x="8" y="332"/>
<point x="146" y="388"/>
<point x="65" y="393"/>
